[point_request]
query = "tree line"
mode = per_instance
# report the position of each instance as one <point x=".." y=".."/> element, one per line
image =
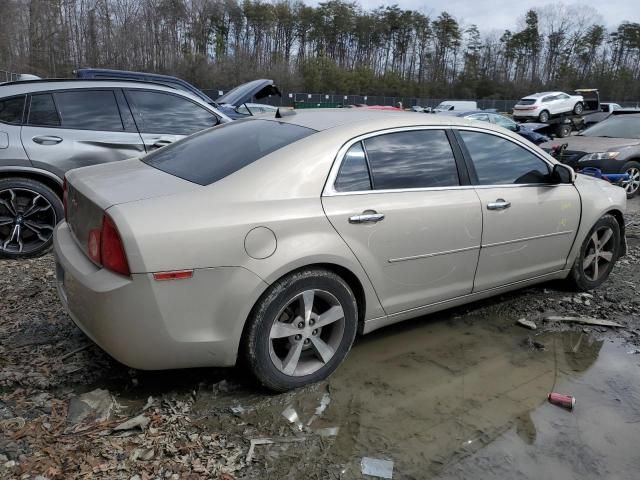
<point x="334" y="47"/>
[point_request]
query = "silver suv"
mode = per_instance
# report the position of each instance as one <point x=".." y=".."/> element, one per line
<point x="50" y="126"/>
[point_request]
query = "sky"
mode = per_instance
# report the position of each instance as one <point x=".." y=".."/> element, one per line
<point x="502" y="14"/>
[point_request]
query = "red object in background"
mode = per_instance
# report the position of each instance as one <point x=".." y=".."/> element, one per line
<point x="564" y="401"/>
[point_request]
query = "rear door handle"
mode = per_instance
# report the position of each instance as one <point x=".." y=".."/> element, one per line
<point x="47" y="140"/>
<point x="368" y="216"/>
<point x="499" y="204"/>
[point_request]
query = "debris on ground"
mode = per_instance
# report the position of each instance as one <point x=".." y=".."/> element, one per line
<point x="95" y="406"/>
<point x="141" y="422"/>
<point x="561" y="400"/>
<point x="377" y="468"/>
<point x="268" y="441"/>
<point x="290" y="414"/>
<point x="527" y="323"/>
<point x="532" y="344"/>
<point x="583" y="320"/>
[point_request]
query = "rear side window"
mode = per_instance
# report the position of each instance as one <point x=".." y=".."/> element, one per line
<point x="211" y="155"/>
<point x="11" y="110"/>
<point x="527" y="101"/>
<point x="89" y="110"/>
<point x="354" y="173"/>
<point x="498" y="161"/>
<point x="159" y="112"/>
<point x="412" y="159"/>
<point x="42" y="111"/>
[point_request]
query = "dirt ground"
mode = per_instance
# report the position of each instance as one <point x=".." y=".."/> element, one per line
<point x="459" y="394"/>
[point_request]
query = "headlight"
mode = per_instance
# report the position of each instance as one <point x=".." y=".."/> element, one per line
<point x="599" y="156"/>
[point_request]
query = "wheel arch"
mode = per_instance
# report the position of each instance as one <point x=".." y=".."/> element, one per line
<point x="617" y="214"/>
<point x="47" y="178"/>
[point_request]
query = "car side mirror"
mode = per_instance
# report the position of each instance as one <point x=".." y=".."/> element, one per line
<point x="516" y="128"/>
<point x="562" y="174"/>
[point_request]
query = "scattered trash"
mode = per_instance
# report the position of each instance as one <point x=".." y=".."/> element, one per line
<point x="527" y="324"/>
<point x="269" y="441"/>
<point x="377" y="468"/>
<point x="529" y="342"/>
<point x="290" y="414"/>
<point x="328" y="432"/>
<point x="142" y="454"/>
<point x="149" y="404"/>
<point x="324" y="403"/>
<point x="237" y="410"/>
<point x="96" y="405"/>
<point x="141" y="421"/>
<point x="564" y="401"/>
<point x="583" y="320"/>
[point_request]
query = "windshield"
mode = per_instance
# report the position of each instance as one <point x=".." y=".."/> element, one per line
<point x="527" y="101"/>
<point x="623" y="126"/>
<point x="208" y="156"/>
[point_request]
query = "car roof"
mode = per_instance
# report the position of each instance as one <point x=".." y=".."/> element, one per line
<point x="368" y="120"/>
<point x="541" y="94"/>
<point x="33" y="86"/>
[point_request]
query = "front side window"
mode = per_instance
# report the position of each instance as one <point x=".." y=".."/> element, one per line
<point x="159" y="112"/>
<point x="498" y="161"/>
<point x="89" y="110"/>
<point x="412" y="159"/>
<point x="504" y="122"/>
<point x="11" y="110"/>
<point x="483" y="117"/>
<point x="354" y="173"/>
<point x="42" y="111"/>
<point x="211" y="155"/>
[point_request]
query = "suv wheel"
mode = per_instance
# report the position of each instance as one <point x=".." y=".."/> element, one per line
<point x="578" y="108"/>
<point x="543" y="117"/>
<point x="29" y="211"/>
<point x="633" y="184"/>
<point x="301" y="329"/>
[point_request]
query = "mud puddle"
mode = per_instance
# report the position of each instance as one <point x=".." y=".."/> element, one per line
<point x="461" y="398"/>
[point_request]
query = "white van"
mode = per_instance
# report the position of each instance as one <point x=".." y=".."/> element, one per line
<point x="457" y="105"/>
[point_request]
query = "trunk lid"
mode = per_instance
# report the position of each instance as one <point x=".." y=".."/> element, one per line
<point x="92" y="190"/>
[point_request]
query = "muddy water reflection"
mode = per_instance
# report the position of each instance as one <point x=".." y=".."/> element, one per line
<point x="435" y="396"/>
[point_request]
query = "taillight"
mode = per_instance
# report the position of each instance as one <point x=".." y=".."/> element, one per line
<point x="112" y="249"/>
<point x="65" y="195"/>
<point x="105" y="247"/>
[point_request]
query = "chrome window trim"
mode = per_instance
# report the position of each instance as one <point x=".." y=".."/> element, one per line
<point x="330" y="191"/>
<point x="526" y="239"/>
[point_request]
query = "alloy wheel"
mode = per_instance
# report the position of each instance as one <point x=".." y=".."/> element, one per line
<point x="632" y="185"/>
<point x="599" y="253"/>
<point x="306" y="333"/>
<point x="27" y="220"/>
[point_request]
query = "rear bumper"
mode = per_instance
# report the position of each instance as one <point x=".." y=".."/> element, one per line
<point x="525" y="114"/>
<point x="154" y="325"/>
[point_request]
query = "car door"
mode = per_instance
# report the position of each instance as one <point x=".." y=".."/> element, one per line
<point x="529" y="224"/>
<point x="399" y="202"/>
<point x="164" y="117"/>
<point x="79" y="127"/>
<point x="565" y="103"/>
<point x="550" y="104"/>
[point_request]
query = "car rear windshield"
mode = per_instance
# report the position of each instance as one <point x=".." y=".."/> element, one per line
<point x="622" y="126"/>
<point x="527" y="101"/>
<point x="208" y="156"/>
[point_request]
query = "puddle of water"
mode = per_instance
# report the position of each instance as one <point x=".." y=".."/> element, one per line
<point x="454" y="399"/>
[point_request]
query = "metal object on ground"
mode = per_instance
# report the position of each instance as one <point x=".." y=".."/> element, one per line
<point x="377" y="468"/>
<point x="290" y="414"/>
<point x="564" y="401"/>
<point x="527" y="324"/>
<point x="586" y="321"/>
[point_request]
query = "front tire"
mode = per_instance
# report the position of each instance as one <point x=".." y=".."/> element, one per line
<point x="633" y="184"/>
<point x="300" y="330"/>
<point x="29" y="211"/>
<point x="578" y="108"/>
<point x="597" y="256"/>
<point x="543" y="117"/>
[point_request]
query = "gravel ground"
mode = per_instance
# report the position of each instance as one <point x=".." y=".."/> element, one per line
<point x="46" y="363"/>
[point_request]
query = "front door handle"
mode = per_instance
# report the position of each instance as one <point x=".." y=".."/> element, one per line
<point x="162" y="142"/>
<point x="47" y="140"/>
<point x="368" y="216"/>
<point x="499" y="204"/>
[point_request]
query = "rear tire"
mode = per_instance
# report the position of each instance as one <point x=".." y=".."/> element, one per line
<point x="578" y="108"/>
<point x="563" y="131"/>
<point x="543" y="117"/>
<point x="29" y="211"/>
<point x="633" y="185"/>
<point x="300" y="330"/>
<point x="597" y="256"/>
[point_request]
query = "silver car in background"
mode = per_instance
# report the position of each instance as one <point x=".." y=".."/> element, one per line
<point x="50" y="126"/>
<point x="277" y="240"/>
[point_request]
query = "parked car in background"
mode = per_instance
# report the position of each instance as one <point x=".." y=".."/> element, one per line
<point x="542" y="106"/>
<point x="226" y="245"/>
<point x="459" y="105"/>
<point x="524" y="130"/>
<point x="230" y="102"/>
<point x="612" y="145"/>
<point x="50" y="126"/>
<point x="604" y="111"/>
